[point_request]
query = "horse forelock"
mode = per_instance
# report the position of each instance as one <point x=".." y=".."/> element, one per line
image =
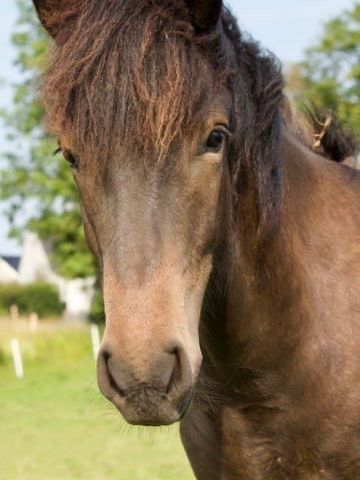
<point x="131" y="72"/>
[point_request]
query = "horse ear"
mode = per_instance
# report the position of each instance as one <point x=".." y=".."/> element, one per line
<point x="204" y="14"/>
<point x="55" y="14"/>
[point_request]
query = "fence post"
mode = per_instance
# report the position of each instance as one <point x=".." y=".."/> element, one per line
<point x="14" y="313"/>
<point x="17" y="359"/>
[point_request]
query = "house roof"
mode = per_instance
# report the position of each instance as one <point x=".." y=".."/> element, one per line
<point x="12" y="261"/>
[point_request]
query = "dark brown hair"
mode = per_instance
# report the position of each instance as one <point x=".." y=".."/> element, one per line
<point x="132" y="71"/>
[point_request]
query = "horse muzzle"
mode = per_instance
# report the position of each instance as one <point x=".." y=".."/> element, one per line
<point x="159" y="394"/>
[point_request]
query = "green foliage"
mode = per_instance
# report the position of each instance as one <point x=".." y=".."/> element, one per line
<point x="331" y="71"/>
<point x="97" y="312"/>
<point x="2" y="357"/>
<point x="40" y="298"/>
<point x="34" y="177"/>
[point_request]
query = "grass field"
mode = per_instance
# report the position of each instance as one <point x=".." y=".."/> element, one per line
<point x="54" y="425"/>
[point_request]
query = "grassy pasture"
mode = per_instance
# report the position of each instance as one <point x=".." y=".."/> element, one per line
<point x="54" y="424"/>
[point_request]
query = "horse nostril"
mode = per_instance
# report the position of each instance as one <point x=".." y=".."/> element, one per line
<point x="106" y="357"/>
<point x="175" y="373"/>
<point x="115" y="386"/>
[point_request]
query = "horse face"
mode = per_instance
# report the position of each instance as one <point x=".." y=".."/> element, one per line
<point x="150" y="217"/>
<point x="152" y="225"/>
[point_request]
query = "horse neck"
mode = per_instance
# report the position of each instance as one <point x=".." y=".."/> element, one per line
<point x="270" y="304"/>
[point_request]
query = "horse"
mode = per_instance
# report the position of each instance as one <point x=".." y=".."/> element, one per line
<point x="228" y="243"/>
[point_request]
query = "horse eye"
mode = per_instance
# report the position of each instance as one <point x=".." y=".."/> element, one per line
<point x="71" y="158"/>
<point x="215" y="141"/>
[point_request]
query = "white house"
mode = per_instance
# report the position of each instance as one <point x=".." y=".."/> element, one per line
<point x="8" y="273"/>
<point x="34" y="265"/>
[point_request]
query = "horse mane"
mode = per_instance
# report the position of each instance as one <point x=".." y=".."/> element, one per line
<point x="332" y="140"/>
<point x="138" y="69"/>
<point x="321" y="132"/>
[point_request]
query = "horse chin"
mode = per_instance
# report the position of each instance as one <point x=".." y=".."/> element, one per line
<point x="149" y="407"/>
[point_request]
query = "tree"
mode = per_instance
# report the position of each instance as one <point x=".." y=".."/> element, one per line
<point x="35" y="178"/>
<point x="329" y="77"/>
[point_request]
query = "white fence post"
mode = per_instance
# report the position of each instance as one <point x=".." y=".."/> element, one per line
<point x="14" y="313"/>
<point x="95" y="339"/>
<point x="17" y="359"/>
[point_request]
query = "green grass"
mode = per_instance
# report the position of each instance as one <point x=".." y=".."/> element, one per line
<point x="54" y="424"/>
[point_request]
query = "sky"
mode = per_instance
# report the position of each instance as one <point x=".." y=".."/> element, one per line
<point x="285" y="27"/>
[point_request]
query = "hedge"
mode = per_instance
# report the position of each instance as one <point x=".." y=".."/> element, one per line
<point x="40" y="298"/>
<point x="2" y="357"/>
<point x="97" y="313"/>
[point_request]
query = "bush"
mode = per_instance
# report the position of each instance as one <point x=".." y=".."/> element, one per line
<point x="97" y="312"/>
<point x="2" y="357"/>
<point x="40" y="298"/>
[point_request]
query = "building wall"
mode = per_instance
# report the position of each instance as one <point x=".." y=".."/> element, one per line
<point x="35" y="266"/>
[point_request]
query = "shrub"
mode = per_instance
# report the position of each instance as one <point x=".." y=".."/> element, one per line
<point x="97" y="312"/>
<point x="2" y="357"/>
<point x="40" y="298"/>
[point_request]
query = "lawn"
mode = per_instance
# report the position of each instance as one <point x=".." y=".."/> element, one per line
<point x="55" y="425"/>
